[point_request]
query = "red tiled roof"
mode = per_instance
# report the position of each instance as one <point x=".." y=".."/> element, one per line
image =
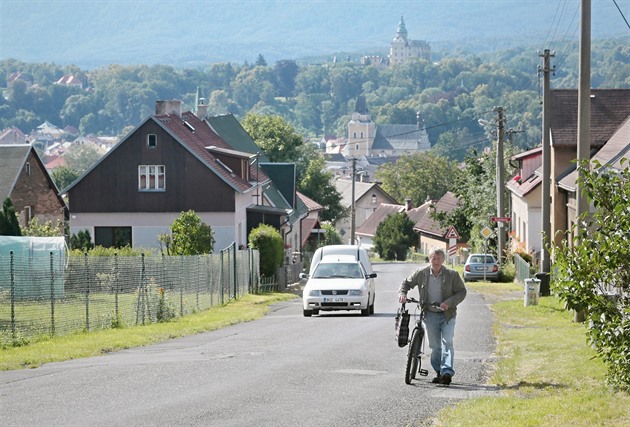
<point x="368" y="228"/>
<point x="609" y="109"/>
<point x="196" y="135"/>
<point x="311" y="204"/>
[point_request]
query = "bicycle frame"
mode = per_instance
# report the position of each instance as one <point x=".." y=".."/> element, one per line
<point x="416" y="347"/>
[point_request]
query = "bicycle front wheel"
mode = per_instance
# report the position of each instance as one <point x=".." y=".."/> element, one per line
<point x="413" y="356"/>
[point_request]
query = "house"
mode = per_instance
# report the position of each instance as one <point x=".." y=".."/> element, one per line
<point x="70" y="80"/>
<point x="609" y="157"/>
<point x="402" y="48"/>
<point x="310" y="227"/>
<point x="367" y="198"/>
<point x="526" y="201"/>
<point x="280" y="193"/>
<point x="24" y="179"/>
<point x="12" y="135"/>
<point x="430" y="232"/>
<point x="173" y="162"/>
<point x="610" y="109"/>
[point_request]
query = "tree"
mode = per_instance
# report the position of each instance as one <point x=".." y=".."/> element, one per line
<point x="268" y="241"/>
<point x="81" y="157"/>
<point x="420" y="177"/>
<point x="394" y="236"/>
<point x="190" y="236"/>
<point x="277" y="138"/>
<point x="598" y="262"/>
<point x="317" y="185"/>
<point x="47" y="229"/>
<point x="64" y="176"/>
<point x="331" y="235"/>
<point x="9" y="224"/>
<point x="81" y="240"/>
<point x="260" y="61"/>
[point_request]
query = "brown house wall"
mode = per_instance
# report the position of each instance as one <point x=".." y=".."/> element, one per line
<point x="112" y="186"/>
<point x="36" y="191"/>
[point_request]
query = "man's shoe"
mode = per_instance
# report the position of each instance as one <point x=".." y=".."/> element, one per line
<point x="437" y="379"/>
<point x="446" y="379"/>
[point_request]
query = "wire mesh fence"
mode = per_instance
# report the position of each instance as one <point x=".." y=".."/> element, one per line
<point x="49" y="294"/>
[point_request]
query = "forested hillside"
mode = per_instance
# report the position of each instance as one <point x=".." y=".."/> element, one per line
<point x="452" y="94"/>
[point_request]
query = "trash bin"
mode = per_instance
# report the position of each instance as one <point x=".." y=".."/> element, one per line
<point x="532" y="292"/>
<point x="545" y="291"/>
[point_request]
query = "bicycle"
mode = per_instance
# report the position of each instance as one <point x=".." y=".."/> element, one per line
<point x="416" y="345"/>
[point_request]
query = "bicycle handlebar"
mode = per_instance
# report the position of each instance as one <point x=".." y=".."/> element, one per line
<point x="434" y="304"/>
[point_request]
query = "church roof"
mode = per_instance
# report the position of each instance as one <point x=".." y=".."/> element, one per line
<point x="398" y="137"/>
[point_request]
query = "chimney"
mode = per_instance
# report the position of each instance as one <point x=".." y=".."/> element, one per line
<point x="168" y="107"/>
<point x="408" y="205"/>
<point x="202" y="109"/>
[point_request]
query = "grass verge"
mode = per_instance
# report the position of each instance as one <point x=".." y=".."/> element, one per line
<point x="88" y="344"/>
<point x="547" y="372"/>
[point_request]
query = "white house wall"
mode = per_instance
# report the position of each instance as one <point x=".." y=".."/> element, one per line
<point x="147" y="226"/>
<point x="527" y="220"/>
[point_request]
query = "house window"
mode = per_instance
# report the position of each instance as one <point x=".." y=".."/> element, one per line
<point x="354" y="134"/>
<point x="112" y="237"/>
<point x="28" y="214"/>
<point x="28" y="168"/>
<point x="356" y="147"/>
<point x="152" y="140"/>
<point x="361" y="135"/>
<point x="151" y="178"/>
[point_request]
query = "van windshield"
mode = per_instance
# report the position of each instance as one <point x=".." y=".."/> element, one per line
<point x="329" y="270"/>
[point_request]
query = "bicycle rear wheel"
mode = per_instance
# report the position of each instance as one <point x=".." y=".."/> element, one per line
<point x="413" y="356"/>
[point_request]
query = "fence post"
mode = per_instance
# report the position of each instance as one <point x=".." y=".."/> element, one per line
<point x="116" y="286"/>
<point x="235" y="275"/>
<point x="12" y="267"/>
<point x="52" y="296"/>
<point x="87" y="293"/>
<point x="182" y="284"/>
<point x="221" y="279"/>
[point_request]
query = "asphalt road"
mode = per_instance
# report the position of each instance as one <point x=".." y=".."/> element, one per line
<point x="282" y="370"/>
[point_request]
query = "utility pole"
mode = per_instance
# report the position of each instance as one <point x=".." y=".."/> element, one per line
<point x="500" y="187"/>
<point x="353" y="222"/>
<point x="584" y="103"/>
<point x="545" y="264"/>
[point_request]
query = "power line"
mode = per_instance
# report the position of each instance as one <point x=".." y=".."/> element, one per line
<point x="619" y="9"/>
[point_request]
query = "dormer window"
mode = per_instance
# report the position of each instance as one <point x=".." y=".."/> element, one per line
<point x="152" y="140"/>
<point x="27" y="168"/>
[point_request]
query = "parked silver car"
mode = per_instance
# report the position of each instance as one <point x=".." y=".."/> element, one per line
<point x="481" y="267"/>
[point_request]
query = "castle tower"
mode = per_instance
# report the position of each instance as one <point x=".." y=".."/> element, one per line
<point x="402" y="48"/>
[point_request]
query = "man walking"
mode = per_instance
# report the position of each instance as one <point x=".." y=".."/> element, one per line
<point x="438" y="284"/>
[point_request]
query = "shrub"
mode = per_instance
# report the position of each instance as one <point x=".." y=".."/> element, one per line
<point x="269" y="243"/>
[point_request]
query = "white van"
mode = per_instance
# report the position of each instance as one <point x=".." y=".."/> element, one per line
<point x="340" y="278"/>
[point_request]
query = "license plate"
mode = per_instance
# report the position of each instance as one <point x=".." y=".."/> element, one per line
<point x="333" y="300"/>
<point x="483" y="268"/>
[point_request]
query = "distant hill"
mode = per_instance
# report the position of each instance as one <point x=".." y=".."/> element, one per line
<point x="187" y="33"/>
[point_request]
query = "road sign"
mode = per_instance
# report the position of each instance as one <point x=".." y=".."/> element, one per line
<point x="500" y="219"/>
<point x="452" y="233"/>
<point x="452" y="250"/>
<point x="486" y="232"/>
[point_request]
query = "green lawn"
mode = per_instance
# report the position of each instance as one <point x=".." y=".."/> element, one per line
<point x="547" y="372"/>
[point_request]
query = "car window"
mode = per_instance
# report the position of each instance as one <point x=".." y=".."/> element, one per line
<point x="349" y="270"/>
<point x="489" y="260"/>
<point x="475" y="259"/>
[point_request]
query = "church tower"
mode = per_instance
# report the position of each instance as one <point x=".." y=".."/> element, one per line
<point x="361" y="131"/>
